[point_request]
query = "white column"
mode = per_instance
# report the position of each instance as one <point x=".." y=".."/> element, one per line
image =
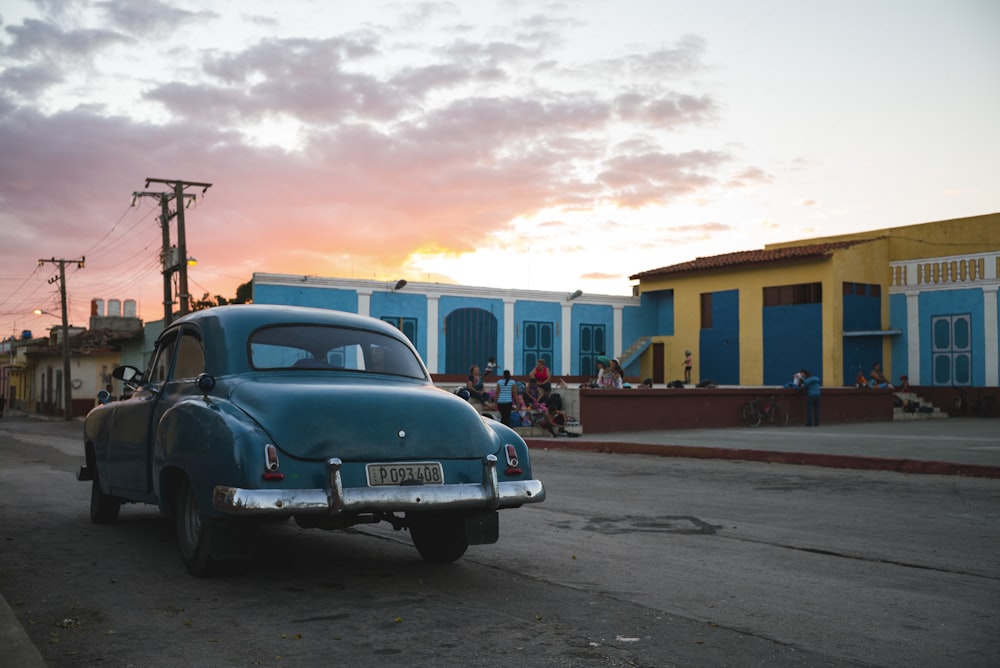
<point x="508" y="338"/>
<point x="616" y="337"/>
<point x="567" y="341"/>
<point x="913" y="337"/>
<point x="364" y="302"/>
<point x="990" y="335"/>
<point x="432" y="333"/>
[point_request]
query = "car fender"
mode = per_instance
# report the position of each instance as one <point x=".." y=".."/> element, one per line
<point x="209" y="442"/>
<point x="504" y="435"/>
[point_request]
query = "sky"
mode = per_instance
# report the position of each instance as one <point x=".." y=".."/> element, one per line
<point x="508" y="144"/>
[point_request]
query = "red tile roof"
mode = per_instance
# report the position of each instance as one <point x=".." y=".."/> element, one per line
<point x="743" y="258"/>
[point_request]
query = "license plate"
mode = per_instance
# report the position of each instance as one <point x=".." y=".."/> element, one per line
<point x="409" y="473"/>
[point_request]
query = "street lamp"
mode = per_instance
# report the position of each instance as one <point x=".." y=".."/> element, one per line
<point x="67" y="388"/>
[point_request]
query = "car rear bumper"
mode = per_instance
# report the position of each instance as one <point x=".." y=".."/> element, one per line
<point x="336" y="499"/>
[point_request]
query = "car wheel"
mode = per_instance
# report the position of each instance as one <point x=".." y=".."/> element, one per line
<point x="194" y="532"/>
<point x="439" y="537"/>
<point x="103" y="507"/>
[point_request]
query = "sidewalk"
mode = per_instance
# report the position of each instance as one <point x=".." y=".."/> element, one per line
<point x="953" y="446"/>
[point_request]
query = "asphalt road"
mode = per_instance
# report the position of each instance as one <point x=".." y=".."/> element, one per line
<point x="633" y="560"/>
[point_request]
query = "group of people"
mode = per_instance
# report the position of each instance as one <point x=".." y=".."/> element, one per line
<point x="509" y="396"/>
<point x="875" y="378"/>
<point x="804" y="380"/>
<point x="610" y="374"/>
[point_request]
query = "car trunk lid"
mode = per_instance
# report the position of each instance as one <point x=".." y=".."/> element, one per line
<point x="365" y="421"/>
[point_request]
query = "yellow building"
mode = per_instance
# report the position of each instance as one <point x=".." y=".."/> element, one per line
<point x="920" y="300"/>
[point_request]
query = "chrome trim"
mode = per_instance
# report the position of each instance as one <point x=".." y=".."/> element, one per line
<point x="337" y="499"/>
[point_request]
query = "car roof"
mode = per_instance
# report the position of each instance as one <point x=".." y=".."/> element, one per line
<point x="225" y="329"/>
<point x="252" y="316"/>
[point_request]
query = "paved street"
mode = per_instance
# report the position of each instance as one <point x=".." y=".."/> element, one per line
<point x="633" y="560"/>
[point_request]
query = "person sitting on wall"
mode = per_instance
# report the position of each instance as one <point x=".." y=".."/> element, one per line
<point x="533" y="395"/>
<point x="877" y="379"/>
<point x="608" y="378"/>
<point x="474" y="385"/>
<point x="544" y="377"/>
<point x="904" y="383"/>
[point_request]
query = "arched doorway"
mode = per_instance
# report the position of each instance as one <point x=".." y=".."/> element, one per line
<point x="470" y="338"/>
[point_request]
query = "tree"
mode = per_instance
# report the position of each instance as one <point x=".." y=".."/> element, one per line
<point x="244" y="295"/>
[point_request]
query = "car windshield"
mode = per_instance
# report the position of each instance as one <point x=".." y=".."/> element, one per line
<point x="332" y="348"/>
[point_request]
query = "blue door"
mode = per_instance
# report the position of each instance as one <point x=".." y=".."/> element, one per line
<point x="537" y="343"/>
<point x="470" y="338"/>
<point x="592" y="344"/>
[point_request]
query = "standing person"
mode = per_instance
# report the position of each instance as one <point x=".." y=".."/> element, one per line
<point x="688" y="363"/>
<point x="506" y="396"/>
<point x="491" y="367"/>
<point x="812" y="384"/>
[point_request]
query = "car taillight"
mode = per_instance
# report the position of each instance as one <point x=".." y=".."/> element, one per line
<point x="512" y="467"/>
<point x="271" y="471"/>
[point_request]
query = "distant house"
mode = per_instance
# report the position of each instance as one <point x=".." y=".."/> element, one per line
<point x="33" y="378"/>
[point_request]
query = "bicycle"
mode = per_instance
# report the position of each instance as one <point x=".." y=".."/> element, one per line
<point x="982" y="406"/>
<point x="754" y="413"/>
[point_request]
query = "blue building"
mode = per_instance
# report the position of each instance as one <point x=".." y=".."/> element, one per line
<point x="456" y="326"/>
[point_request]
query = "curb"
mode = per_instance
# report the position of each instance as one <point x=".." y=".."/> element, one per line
<point x="18" y="649"/>
<point x="771" y="457"/>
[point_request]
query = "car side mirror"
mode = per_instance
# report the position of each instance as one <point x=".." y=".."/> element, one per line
<point x="205" y="383"/>
<point x="127" y="374"/>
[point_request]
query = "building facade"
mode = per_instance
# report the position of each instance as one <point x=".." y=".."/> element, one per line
<point x="919" y="300"/>
<point x="454" y="327"/>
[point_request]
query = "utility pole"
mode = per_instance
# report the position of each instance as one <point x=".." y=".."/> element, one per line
<point x="179" y="263"/>
<point x="67" y="387"/>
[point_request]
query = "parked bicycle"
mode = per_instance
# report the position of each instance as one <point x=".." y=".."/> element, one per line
<point x="756" y="412"/>
<point x="981" y="406"/>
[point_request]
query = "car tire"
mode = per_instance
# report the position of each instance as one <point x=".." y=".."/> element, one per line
<point x="104" y="508"/>
<point x="439" y="537"/>
<point x="194" y="532"/>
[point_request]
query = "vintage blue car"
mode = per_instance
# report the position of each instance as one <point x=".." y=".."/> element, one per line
<point x="251" y="413"/>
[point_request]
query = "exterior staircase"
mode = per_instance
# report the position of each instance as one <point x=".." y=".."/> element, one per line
<point x="900" y="412"/>
<point x="633" y="352"/>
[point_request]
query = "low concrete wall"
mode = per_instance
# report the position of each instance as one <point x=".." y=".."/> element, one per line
<point x="605" y="411"/>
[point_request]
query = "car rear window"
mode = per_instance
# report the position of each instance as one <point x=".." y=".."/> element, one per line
<point x="312" y="347"/>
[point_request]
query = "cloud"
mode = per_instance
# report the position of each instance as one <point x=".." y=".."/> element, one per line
<point x="749" y="177"/>
<point x="150" y="17"/>
<point x="31" y="80"/>
<point x="47" y="42"/>
<point x="395" y="157"/>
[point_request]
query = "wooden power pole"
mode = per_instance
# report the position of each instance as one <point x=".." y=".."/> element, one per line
<point x="66" y="381"/>
<point x="174" y="263"/>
